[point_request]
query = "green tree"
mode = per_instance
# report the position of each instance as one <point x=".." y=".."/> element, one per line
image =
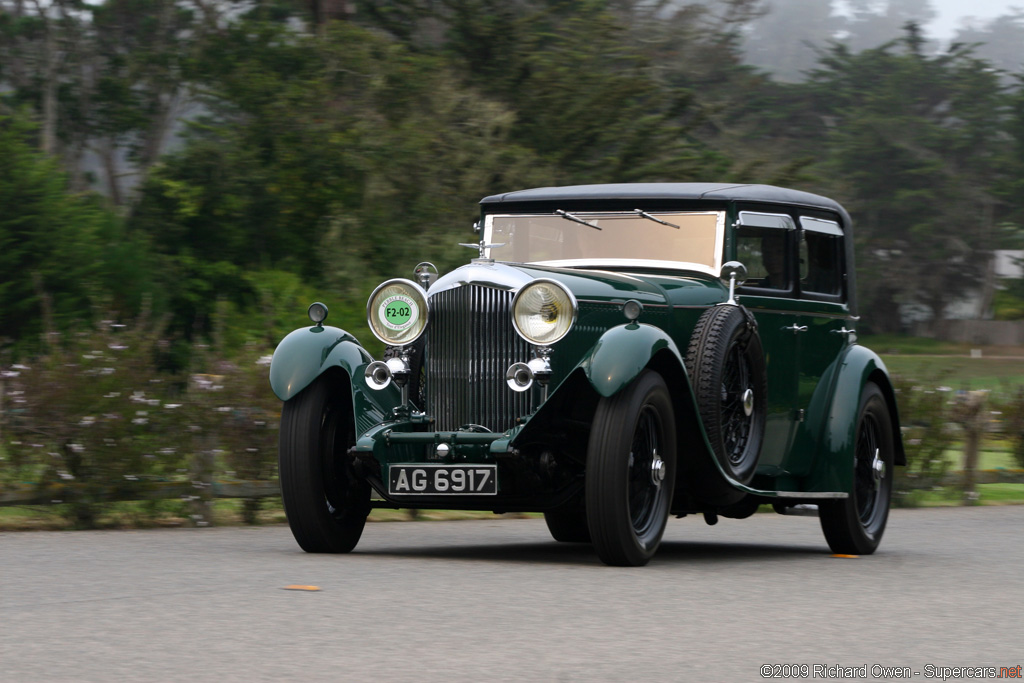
<point x="1010" y="186"/>
<point x="107" y="80"/>
<point x="873" y="23"/>
<point x="339" y="157"/>
<point x="59" y="250"/>
<point x="911" y="147"/>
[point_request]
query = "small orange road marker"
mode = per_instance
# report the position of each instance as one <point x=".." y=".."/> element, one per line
<point x="301" y="588"/>
<point x="847" y="556"/>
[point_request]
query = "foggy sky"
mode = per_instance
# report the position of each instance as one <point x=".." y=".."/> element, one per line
<point x="951" y="13"/>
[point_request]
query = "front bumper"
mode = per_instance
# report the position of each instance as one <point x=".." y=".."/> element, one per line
<point x="526" y="482"/>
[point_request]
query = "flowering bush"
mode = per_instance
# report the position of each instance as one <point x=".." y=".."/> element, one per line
<point x="1013" y="413"/>
<point x="96" y="417"/>
<point x="927" y="434"/>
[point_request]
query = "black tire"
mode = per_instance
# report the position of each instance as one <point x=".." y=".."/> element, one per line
<point x="854" y="526"/>
<point x="631" y="471"/>
<point x="726" y="367"/>
<point x="568" y="523"/>
<point x="326" y="504"/>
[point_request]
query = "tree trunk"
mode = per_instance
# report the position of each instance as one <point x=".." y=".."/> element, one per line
<point x="988" y="290"/>
<point x="48" y="139"/>
<point x="108" y="157"/>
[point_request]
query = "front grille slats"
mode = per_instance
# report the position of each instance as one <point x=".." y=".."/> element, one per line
<point x="470" y="344"/>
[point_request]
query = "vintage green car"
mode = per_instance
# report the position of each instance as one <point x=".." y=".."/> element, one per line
<point x="617" y="354"/>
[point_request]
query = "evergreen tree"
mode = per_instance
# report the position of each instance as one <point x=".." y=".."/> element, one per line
<point x="61" y="253"/>
<point x="912" y="149"/>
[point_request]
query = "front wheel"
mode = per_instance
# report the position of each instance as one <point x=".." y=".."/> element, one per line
<point x="326" y="504"/>
<point x="568" y="523"/>
<point x="631" y="470"/>
<point x="854" y="526"/>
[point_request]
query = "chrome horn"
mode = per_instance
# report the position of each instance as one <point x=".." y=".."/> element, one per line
<point x="380" y="373"/>
<point x="520" y="376"/>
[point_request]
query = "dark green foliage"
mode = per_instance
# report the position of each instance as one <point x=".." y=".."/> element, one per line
<point x="57" y="249"/>
<point x="340" y="159"/>
<point x="911" y="151"/>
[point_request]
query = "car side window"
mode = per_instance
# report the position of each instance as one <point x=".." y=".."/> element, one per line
<point x="821" y="257"/>
<point x="764" y="251"/>
<point x="765" y="245"/>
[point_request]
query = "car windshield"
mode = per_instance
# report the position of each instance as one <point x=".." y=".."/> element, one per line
<point x="624" y="239"/>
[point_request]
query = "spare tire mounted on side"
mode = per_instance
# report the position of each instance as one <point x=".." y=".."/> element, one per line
<point x="726" y="365"/>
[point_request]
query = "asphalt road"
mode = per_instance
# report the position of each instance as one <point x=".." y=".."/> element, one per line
<point x="498" y="600"/>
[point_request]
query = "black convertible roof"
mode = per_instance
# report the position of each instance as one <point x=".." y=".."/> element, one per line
<point x="667" y="191"/>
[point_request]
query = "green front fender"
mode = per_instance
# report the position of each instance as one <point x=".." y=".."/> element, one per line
<point x="622" y="353"/>
<point x="833" y="467"/>
<point x="308" y="352"/>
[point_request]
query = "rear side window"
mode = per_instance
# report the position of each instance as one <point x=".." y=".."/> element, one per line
<point x="821" y="257"/>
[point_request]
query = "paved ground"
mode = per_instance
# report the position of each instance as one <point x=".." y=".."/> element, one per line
<point x="498" y="600"/>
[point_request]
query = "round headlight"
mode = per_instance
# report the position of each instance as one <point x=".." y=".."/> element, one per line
<point x="317" y="312"/>
<point x="543" y="311"/>
<point x="397" y="312"/>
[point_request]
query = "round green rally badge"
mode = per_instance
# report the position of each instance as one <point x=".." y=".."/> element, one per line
<point x="398" y="312"/>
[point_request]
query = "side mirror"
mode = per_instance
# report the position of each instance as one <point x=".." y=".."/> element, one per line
<point x="733" y="273"/>
<point x="734" y="268"/>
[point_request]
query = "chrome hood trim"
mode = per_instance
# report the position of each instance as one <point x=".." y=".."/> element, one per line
<point x="485" y="273"/>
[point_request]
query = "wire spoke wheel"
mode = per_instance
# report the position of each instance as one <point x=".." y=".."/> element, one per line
<point x="645" y="465"/>
<point x="855" y="525"/>
<point x="630" y="476"/>
<point x="737" y="416"/>
<point x="726" y="366"/>
<point x="867" y="483"/>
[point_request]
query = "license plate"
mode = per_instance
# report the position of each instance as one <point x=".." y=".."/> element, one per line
<point x="443" y="480"/>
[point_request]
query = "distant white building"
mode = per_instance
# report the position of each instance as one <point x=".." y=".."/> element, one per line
<point x="1007" y="264"/>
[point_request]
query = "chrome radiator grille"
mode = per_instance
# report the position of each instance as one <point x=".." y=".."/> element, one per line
<point x="470" y="344"/>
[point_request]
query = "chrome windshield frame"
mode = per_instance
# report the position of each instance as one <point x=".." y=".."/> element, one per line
<point x="657" y="262"/>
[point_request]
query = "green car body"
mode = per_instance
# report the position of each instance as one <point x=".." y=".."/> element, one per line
<point x="812" y="399"/>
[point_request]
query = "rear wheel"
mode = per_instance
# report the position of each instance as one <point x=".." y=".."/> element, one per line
<point x="854" y="526"/>
<point x="326" y="504"/>
<point x="631" y="469"/>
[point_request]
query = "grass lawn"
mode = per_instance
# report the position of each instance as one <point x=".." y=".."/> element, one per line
<point x="996" y="373"/>
<point x="994" y="456"/>
<point x="989" y="494"/>
<point x="948" y="363"/>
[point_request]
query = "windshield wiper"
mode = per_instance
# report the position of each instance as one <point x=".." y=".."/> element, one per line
<point x="641" y="212"/>
<point x="576" y="219"/>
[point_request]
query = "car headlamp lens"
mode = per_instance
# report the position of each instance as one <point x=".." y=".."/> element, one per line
<point x="317" y="312"/>
<point x="543" y="312"/>
<point x="397" y="312"/>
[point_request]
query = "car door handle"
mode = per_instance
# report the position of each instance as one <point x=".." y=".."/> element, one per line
<point x="842" y="331"/>
<point x="796" y="329"/>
